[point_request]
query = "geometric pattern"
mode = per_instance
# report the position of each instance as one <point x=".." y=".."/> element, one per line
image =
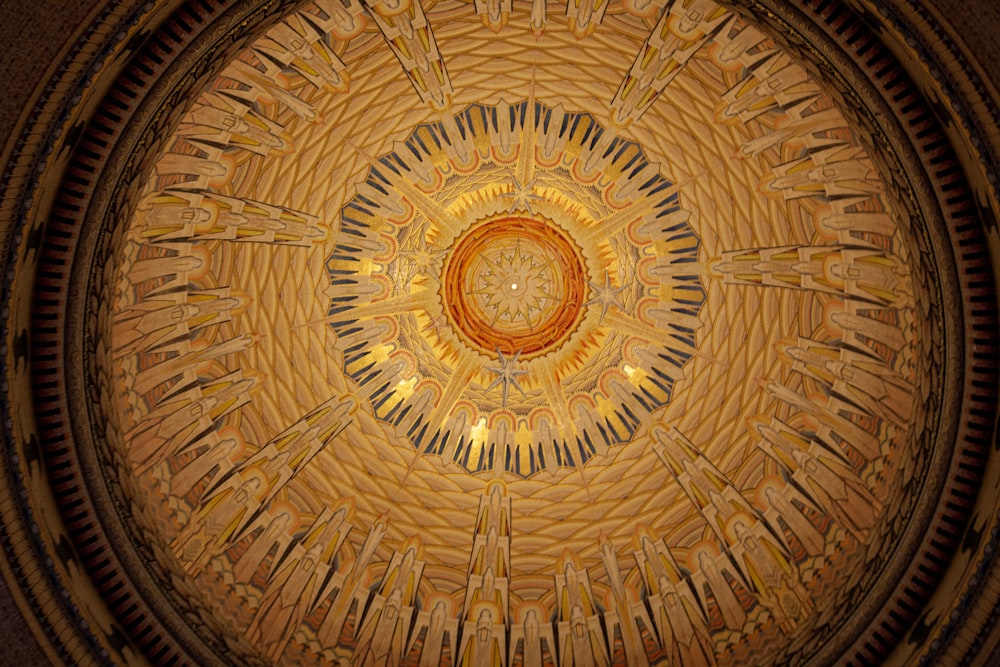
<point x="418" y="363"/>
<point x="515" y="301"/>
<point x="512" y="289"/>
<point x="453" y="404"/>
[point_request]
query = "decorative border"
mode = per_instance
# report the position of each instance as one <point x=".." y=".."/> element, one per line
<point x="48" y="606"/>
<point x="957" y="80"/>
<point x="975" y="107"/>
<point x="89" y="542"/>
<point x="866" y="58"/>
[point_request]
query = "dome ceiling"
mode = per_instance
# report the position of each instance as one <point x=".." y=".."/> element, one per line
<point x="505" y="333"/>
<point x="607" y="317"/>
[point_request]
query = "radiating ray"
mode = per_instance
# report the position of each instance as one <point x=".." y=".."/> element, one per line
<point x="441" y="220"/>
<point x="552" y="387"/>
<point x="404" y="303"/>
<point x="409" y="35"/>
<point x="665" y="54"/>
<point x="632" y="326"/>
<point x="860" y="439"/>
<point x="620" y="220"/>
<point x="525" y="171"/>
<point x="460" y="376"/>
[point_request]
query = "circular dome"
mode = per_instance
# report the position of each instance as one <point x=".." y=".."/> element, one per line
<point x="437" y="333"/>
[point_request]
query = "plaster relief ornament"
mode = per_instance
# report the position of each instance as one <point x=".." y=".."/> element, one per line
<point x="489" y="333"/>
<point x="523" y="298"/>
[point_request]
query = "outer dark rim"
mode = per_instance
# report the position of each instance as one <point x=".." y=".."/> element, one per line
<point x="125" y="584"/>
<point x="851" y="51"/>
<point x="196" y="39"/>
<point x="23" y="204"/>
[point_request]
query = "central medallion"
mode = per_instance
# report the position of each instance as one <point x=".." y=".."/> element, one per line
<point x="514" y="284"/>
<point x="514" y="289"/>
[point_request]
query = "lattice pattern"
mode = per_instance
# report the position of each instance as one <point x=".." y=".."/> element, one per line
<point x="782" y="461"/>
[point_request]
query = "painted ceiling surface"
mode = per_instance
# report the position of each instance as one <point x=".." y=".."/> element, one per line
<point x="495" y="334"/>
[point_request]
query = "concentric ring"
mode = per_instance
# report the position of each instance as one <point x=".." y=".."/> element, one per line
<point x="514" y="284"/>
<point x="743" y="420"/>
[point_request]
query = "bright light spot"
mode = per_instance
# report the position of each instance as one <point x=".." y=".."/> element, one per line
<point x="513" y="285"/>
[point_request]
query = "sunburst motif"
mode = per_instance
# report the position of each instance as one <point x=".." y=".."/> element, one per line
<point x="549" y="292"/>
<point x="471" y="331"/>
<point x="514" y="283"/>
<point x="421" y="260"/>
<point x="516" y="286"/>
